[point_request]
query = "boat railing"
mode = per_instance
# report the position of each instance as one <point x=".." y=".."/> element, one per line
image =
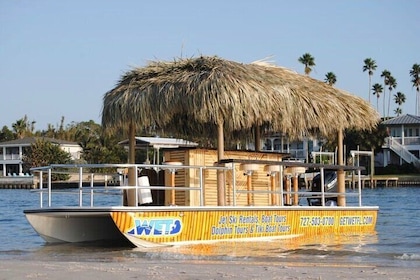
<point x="289" y="170"/>
<point x="93" y="188"/>
<point x="282" y="195"/>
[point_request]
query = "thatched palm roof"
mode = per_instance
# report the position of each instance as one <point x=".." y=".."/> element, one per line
<point x="211" y="90"/>
<point x="206" y="94"/>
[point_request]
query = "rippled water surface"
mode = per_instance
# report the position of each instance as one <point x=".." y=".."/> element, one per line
<point x="396" y="242"/>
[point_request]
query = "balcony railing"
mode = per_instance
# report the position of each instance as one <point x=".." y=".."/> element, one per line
<point x="75" y="155"/>
<point x="10" y="157"/>
<point x="294" y="153"/>
<point x="408" y="141"/>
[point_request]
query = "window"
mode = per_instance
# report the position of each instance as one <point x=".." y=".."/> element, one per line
<point x="300" y="145"/>
<point x="277" y="144"/>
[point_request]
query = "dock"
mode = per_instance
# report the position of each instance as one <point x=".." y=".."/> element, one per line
<point x="17" y="182"/>
<point x="31" y="182"/>
<point x="375" y="181"/>
<point x="366" y="181"/>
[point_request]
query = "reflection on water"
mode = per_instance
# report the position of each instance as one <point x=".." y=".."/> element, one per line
<point x="298" y="249"/>
<point x="317" y="249"/>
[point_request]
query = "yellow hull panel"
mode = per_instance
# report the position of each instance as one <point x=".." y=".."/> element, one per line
<point x="198" y="225"/>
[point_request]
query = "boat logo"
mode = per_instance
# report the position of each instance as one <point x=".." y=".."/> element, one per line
<point x="156" y="227"/>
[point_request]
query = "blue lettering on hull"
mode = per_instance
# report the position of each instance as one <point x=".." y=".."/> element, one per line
<point x="156" y="227"/>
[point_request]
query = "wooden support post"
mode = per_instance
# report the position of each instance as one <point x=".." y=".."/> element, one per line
<point x="287" y="190"/>
<point x="273" y="190"/>
<point x="341" y="199"/>
<point x="248" y="188"/>
<point x="172" y="173"/>
<point x="172" y="184"/>
<point x="132" y="171"/>
<point x="221" y="193"/>
<point x="295" y="190"/>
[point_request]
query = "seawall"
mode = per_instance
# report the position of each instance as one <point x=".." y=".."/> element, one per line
<point x="17" y="182"/>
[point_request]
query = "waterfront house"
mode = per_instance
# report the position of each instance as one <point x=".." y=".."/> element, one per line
<point x="401" y="146"/>
<point x="403" y="143"/>
<point x="300" y="150"/>
<point x="12" y="152"/>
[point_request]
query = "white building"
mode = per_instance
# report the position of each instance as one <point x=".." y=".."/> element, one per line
<point x="12" y="152"/>
<point x="298" y="150"/>
<point x="403" y="143"/>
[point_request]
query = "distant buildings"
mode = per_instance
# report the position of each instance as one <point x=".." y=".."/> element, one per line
<point x="12" y="152"/>
<point x="298" y="150"/>
<point x="403" y="143"/>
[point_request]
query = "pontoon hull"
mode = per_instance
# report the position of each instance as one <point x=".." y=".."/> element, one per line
<point x="61" y="226"/>
<point x="148" y="226"/>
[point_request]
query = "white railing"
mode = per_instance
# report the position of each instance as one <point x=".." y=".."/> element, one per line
<point x="411" y="141"/>
<point x="88" y="186"/>
<point x="101" y="187"/>
<point x="408" y="141"/>
<point x="284" y="165"/>
<point x="402" y="151"/>
<point x="10" y="157"/>
<point x="294" y="153"/>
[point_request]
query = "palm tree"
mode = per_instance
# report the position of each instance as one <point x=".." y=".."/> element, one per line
<point x="415" y="79"/>
<point x="330" y="78"/>
<point x="20" y="127"/>
<point x="399" y="98"/>
<point x="392" y="84"/>
<point x="385" y="74"/>
<point x="32" y="126"/>
<point x="50" y="132"/>
<point x="308" y="60"/>
<point x="370" y="66"/>
<point x="377" y="90"/>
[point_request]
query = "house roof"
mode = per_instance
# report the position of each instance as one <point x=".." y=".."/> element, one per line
<point x="403" y="120"/>
<point x="157" y="142"/>
<point x="27" y="141"/>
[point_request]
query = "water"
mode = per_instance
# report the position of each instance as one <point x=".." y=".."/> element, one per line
<point x="395" y="243"/>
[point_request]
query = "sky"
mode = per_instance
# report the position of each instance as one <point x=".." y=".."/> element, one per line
<point x="59" y="58"/>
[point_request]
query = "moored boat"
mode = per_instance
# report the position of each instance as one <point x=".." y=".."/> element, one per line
<point x="261" y="201"/>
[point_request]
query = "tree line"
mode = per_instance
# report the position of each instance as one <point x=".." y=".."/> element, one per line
<point x="97" y="146"/>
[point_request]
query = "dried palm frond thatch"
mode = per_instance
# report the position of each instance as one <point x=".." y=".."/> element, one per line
<point x="204" y="91"/>
<point x="203" y="94"/>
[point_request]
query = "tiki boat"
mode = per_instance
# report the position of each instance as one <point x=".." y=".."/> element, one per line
<point x="177" y="202"/>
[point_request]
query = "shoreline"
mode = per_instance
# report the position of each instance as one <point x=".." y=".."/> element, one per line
<point x="162" y="269"/>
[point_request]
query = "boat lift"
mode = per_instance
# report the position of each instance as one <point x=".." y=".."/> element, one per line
<point x="355" y="154"/>
<point x="330" y="155"/>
